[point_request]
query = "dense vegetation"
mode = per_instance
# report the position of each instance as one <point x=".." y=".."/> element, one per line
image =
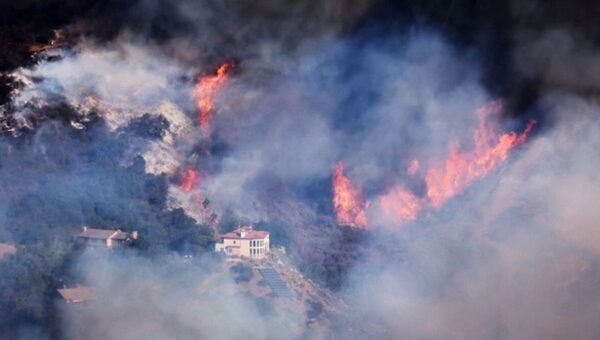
<point x="57" y="179"/>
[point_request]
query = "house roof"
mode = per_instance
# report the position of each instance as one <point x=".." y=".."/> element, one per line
<point x="78" y="294"/>
<point x="103" y="234"/>
<point x="7" y="249"/>
<point x="249" y="233"/>
<point x="120" y="235"/>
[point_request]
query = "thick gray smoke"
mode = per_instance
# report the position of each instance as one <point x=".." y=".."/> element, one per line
<point x="556" y="45"/>
<point x="516" y="258"/>
<point x="513" y="256"/>
<point x="170" y="298"/>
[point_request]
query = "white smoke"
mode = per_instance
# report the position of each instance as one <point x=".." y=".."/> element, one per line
<point x="172" y="298"/>
<point x="514" y="258"/>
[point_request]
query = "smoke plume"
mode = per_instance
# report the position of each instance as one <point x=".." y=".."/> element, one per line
<point x="434" y="165"/>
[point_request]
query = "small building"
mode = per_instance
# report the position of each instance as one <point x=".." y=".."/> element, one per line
<point x="106" y="238"/>
<point x="244" y="241"/>
<point x="79" y="296"/>
<point x="7" y="249"/>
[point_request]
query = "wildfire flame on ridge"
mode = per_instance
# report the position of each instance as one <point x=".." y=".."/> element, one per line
<point x="400" y="205"/>
<point x="204" y="94"/>
<point x="190" y="180"/>
<point x="348" y="202"/>
<point x="443" y="181"/>
<point x="461" y="169"/>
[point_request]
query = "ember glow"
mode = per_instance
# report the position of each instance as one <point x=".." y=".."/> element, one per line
<point x="400" y="205"/>
<point x="348" y="202"/>
<point x="190" y="180"/>
<point x="204" y="94"/>
<point x="460" y="169"/>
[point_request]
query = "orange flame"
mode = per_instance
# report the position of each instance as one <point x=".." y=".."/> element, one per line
<point x="348" y="202"/>
<point x="400" y="205"/>
<point x="463" y="168"/>
<point x="204" y="93"/>
<point x="443" y="181"/>
<point x="190" y="180"/>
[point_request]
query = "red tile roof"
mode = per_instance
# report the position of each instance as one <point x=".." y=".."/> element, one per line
<point x="120" y="235"/>
<point x="7" y="249"/>
<point x="78" y="294"/>
<point x="250" y="233"/>
<point x="103" y="234"/>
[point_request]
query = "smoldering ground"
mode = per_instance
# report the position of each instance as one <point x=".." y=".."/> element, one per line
<point x="511" y="257"/>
